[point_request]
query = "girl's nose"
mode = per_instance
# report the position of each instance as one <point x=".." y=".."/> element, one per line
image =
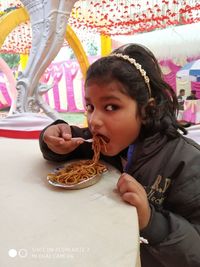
<point x="95" y="120"/>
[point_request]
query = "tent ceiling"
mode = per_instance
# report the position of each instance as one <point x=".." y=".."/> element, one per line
<point x="129" y="17"/>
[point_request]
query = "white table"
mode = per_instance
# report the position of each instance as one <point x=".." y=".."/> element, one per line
<point x="194" y="133"/>
<point x="46" y="226"/>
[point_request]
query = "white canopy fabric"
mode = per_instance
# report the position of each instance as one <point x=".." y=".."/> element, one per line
<point x="170" y="43"/>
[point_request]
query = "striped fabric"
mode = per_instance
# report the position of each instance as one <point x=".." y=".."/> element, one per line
<point x="5" y="95"/>
<point x="67" y="92"/>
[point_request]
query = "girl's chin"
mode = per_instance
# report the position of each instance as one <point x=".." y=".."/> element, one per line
<point x="109" y="152"/>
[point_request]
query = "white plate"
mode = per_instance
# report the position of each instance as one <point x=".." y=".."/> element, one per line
<point x="83" y="184"/>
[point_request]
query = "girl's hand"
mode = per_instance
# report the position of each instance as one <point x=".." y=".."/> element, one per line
<point x="133" y="192"/>
<point x="59" y="139"/>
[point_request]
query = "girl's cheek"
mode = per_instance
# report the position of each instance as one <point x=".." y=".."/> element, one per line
<point x="88" y="119"/>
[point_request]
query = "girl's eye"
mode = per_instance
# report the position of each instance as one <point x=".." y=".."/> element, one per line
<point x="111" y="107"/>
<point x="89" y="107"/>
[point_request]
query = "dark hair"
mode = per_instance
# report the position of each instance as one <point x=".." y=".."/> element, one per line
<point x="193" y="92"/>
<point x="182" y="90"/>
<point x="158" y="117"/>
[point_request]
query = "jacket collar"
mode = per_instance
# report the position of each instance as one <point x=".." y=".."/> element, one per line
<point x="146" y="149"/>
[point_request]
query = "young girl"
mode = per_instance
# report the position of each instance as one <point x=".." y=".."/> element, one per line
<point x="134" y="110"/>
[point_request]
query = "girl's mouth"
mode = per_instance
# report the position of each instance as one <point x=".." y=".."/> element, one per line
<point x="103" y="142"/>
<point x="105" y="139"/>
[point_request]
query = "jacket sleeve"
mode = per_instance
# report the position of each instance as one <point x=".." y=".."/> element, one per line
<point x="174" y="231"/>
<point x="83" y="151"/>
<point x="181" y="245"/>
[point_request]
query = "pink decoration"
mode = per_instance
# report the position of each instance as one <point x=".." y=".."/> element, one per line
<point x="62" y="96"/>
<point x="9" y="93"/>
<point x="192" y="111"/>
<point x="196" y="87"/>
<point x="170" y="78"/>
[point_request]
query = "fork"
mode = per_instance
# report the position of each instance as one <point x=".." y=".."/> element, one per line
<point x="88" y="140"/>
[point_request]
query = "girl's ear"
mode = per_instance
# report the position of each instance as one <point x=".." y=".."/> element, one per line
<point x="148" y="110"/>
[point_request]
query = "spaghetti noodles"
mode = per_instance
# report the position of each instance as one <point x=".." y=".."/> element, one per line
<point x="77" y="172"/>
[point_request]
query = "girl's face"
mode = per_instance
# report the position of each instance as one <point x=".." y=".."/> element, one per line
<point x="112" y="115"/>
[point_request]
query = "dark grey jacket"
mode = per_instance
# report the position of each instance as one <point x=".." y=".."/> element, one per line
<point x="169" y="170"/>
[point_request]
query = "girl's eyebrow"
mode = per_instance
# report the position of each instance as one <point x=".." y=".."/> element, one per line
<point x="105" y="98"/>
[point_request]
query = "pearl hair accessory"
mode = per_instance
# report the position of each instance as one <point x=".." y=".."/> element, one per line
<point x="137" y="66"/>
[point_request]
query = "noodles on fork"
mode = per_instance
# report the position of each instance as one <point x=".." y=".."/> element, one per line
<point x="82" y="170"/>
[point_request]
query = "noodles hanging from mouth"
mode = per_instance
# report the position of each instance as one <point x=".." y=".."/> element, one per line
<point x="82" y="170"/>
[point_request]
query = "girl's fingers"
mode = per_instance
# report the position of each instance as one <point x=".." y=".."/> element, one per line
<point x="131" y="198"/>
<point x="134" y="193"/>
<point x="59" y="139"/>
<point x="66" y="136"/>
<point x="127" y="186"/>
<point x="122" y="178"/>
<point x="63" y="146"/>
<point x="67" y="140"/>
<point x="54" y="140"/>
<point x="77" y="140"/>
<point x="128" y="183"/>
